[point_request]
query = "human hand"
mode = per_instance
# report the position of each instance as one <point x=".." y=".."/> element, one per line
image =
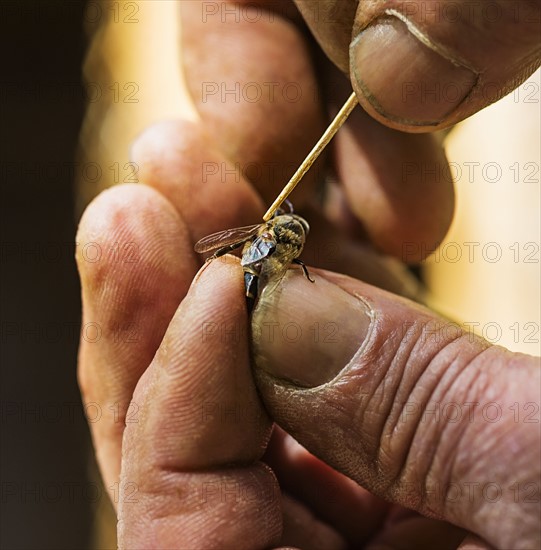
<point x="187" y="414"/>
<point x="378" y="388"/>
<point x="144" y="296"/>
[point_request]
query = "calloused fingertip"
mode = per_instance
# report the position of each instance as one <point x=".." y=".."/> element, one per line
<point x="212" y="264"/>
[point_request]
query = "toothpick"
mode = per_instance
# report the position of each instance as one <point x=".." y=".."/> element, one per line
<point x="334" y="126"/>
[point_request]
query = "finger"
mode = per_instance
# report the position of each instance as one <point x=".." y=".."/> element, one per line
<point x="329" y="248"/>
<point x="191" y="476"/>
<point x="397" y="185"/>
<point x="302" y="530"/>
<point x="193" y="458"/>
<point x="135" y="261"/>
<point x="354" y="512"/>
<point x="179" y="159"/>
<point x="420" y="533"/>
<point x="419" y="66"/>
<point x="357" y="377"/>
<point x="250" y="74"/>
<point x="472" y="542"/>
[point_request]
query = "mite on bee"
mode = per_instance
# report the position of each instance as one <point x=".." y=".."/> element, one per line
<point x="269" y="249"/>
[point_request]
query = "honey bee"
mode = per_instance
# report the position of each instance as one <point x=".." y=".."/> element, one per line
<point x="269" y="249"/>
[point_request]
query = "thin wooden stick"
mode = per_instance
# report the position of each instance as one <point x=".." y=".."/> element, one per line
<point x="334" y="126"/>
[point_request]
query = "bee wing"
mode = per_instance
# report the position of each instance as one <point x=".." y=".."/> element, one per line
<point x="226" y="238"/>
<point x="261" y="248"/>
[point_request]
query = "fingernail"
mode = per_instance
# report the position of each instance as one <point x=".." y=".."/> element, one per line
<point x="306" y="334"/>
<point x="405" y="76"/>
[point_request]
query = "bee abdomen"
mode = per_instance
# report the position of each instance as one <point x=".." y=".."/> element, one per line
<point x="251" y="284"/>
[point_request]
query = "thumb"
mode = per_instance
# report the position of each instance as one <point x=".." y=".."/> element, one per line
<point x="407" y="404"/>
<point x="418" y="65"/>
<point x="421" y="65"/>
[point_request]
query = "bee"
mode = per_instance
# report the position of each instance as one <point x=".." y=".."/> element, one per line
<point x="269" y="249"/>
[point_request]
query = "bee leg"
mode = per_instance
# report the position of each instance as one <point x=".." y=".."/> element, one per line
<point x="224" y="250"/>
<point x="304" y="269"/>
<point x="251" y="283"/>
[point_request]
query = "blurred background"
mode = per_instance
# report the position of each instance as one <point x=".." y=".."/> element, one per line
<point x="47" y="495"/>
<point x="81" y="80"/>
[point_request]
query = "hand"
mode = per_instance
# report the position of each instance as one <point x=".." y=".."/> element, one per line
<point x="378" y="388"/>
<point x="182" y="455"/>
